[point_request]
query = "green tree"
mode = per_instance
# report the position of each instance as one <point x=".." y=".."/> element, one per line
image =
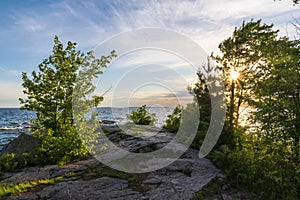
<point x="202" y="101"/>
<point x="201" y="95"/>
<point x="262" y="71"/>
<point x="241" y="56"/>
<point x="277" y="98"/>
<point x="173" y="120"/>
<point x="49" y="91"/>
<point x="141" y="116"/>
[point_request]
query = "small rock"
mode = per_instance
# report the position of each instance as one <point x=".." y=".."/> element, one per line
<point x="152" y="181"/>
<point x="226" y="197"/>
<point x="14" y="124"/>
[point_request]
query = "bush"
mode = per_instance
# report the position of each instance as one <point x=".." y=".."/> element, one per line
<point x="8" y="162"/>
<point x="262" y="175"/>
<point x="173" y="120"/>
<point x="141" y="116"/>
<point x="61" y="149"/>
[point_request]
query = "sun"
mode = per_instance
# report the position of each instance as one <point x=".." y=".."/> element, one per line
<point x="234" y="75"/>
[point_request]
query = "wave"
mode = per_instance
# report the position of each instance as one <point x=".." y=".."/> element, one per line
<point x="5" y="128"/>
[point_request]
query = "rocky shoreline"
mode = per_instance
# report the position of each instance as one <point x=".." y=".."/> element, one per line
<point x="90" y="179"/>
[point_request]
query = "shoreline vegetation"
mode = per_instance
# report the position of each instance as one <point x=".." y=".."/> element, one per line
<point x="260" y="70"/>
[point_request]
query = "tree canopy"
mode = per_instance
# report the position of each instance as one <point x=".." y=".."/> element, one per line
<point x="261" y="72"/>
<point x="50" y="91"/>
<point x="242" y="54"/>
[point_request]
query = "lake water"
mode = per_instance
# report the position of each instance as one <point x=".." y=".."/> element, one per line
<point x="14" y="121"/>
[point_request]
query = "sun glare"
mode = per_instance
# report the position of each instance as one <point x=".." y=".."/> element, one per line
<point x="234" y="75"/>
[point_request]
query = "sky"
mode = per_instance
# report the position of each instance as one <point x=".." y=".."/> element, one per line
<point x="150" y="76"/>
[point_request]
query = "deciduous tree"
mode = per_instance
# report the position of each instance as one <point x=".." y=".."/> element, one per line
<point x="49" y="91"/>
<point x="241" y="56"/>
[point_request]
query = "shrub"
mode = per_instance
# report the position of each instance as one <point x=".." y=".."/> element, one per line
<point x="173" y="120"/>
<point x="8" y="162"/>
<point x="141" y="116"/>
<point x="61" y="149"/>
<point x="262" y="175"/>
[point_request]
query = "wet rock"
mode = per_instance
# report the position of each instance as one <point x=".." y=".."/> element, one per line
<point x="14" y="124"/>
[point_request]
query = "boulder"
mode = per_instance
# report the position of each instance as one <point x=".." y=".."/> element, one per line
<point x="23" y="144"/>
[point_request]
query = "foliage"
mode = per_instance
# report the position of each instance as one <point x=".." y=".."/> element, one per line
<point x="278" y="98"/>
<point x="50" y="92"/>
<point x="202" y="97"/>
<point x="267" y="176"/>
<point x="8" y="163"/>
<point x="173" y="120"/>
<point x="263" y="158"/>
<point x="61" y="149"/>
<point x="141" y="116"/>
<point x="202" y="102"/>
<point x="28" y="160"/>
<point x="244" y="52"/>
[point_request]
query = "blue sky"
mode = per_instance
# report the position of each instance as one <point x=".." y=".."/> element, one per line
<point x="28" y="28"/>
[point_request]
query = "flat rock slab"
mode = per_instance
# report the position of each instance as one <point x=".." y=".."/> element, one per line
<point x="105" y="188"/>
<point x="180" y="180"/>
<point x="137" y="138"/>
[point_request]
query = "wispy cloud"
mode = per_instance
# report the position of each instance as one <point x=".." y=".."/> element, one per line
<point x="28" y="30"/>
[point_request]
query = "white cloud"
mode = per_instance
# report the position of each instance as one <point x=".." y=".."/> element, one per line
<point x="31" y="32"/>
<point x="31" y="24"/>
